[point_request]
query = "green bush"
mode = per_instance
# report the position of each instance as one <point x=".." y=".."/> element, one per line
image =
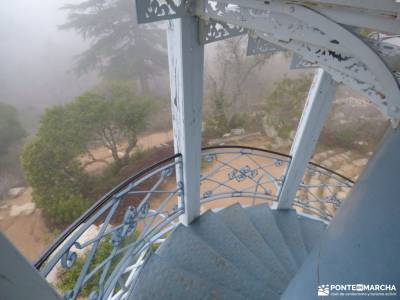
<point x="51" y="160"/>
<point x="67" y="278"/>
<point x="283" y="106"/>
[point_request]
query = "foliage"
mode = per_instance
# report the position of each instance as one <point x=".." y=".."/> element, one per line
<point x="225" y="87"/>
<point x="50" y="166"/>
<point x="51" y="160"/>
<point x="119" y="48"/>
<point x="284" y="104"/>
<point x="67" y="278"/>
<point x="360" y="134"/>
<point x="112" y="116"/>
<point x="11" y="130"/>
<point x="234" y="69"/>
<point x="219" y="125"/>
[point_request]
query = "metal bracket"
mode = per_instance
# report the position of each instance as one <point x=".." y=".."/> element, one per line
<point x="156" y="10"/>
<point x="212" y="31"/>
<point x="299" y="63"/>
<point x="257" y="45"/>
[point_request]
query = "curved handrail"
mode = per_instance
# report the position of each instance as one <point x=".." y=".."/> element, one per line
<point x="275" y="153"/>
<point x="94" y="208"/>
<point x="258" y="174"/>
<point x="64" y="235"/>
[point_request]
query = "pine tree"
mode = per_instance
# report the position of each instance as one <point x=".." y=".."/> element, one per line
<point x="119" y="48"/>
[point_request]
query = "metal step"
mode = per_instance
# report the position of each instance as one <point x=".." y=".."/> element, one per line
<point x="218" y="236"/>
<point x="312" y="231"/>
<point x="236" y="219"/>
<point x="263" y="220"/>
<point x="190" y="253"/>
<point x="289" y="225"/>
<point x="160" y="280"/>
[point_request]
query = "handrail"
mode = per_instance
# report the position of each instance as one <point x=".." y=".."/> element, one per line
<point x="227" y="172"/>
<point x="95" y="207"/>
<point x="258" y="174"/>
<point x="276" y="153"/>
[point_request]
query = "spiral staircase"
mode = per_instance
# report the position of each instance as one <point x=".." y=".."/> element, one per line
<point x="233" y="222"/>
<point x="235" y="253"/>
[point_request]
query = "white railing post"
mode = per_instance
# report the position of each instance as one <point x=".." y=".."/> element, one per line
<point x="318" y="104"/>
<point x="186" y="58"/>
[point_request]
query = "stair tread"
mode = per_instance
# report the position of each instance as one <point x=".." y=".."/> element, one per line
<point x="289" y="225"/>
<point x="190" y="253"/>
<point x="215" y="233"/>
<point x="160" y="280"/>
<point x="264" y="221"/>
<point x="236" y="219"/>
<point x="312" y="231"/>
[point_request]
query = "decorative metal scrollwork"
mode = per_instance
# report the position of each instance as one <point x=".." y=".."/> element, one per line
<point x="257" y="45"/>
<point x="262" y="177"/>
<point x="211" y="31"/>
<point x="299" y="63"/>
<point x="243" y="173"/>
<point x="68" y="259"/>
<point x="157" y="10"/>
<point x="155" y="209"/>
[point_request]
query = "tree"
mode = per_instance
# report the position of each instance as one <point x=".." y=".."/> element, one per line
<point x="226" y="85"/>
<point x="110" y="117"/>
<point x="11" y="130"/>
<point x="119" y="48"/>
<point x="51" y="161"/>
<point x="283" y="106"/>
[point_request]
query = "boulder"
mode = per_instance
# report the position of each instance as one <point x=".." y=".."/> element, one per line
<point x="24" y="209"/>
<point x="16" y="191"/>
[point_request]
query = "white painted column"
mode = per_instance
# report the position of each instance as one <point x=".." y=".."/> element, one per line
<point x="186" y="58"/>
<point x="316" y="110"/>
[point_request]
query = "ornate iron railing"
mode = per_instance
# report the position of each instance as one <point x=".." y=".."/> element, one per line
<point x="256" y="176"/>
<point x="107" y="246"/>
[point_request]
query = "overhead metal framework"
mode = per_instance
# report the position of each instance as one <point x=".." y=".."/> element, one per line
<point x="348" y="39"/>
<point x="325" y="33"/>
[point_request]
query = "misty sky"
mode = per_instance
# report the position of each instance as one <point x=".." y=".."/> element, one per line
<point x="36" y="57"/>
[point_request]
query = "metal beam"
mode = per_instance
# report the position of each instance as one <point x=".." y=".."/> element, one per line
<point x="212" y="31"/>
<point x="186" y="58"/>
<point x="318" y="104"/>
<point x="306" y="31"/>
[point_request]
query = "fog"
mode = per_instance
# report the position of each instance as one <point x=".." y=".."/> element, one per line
<point x="36" y="58"/>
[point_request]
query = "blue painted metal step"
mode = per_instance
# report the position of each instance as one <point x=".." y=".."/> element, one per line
<point x="237" y="253"/>
<point x="263" y="220"/>
<point x="312" y="231"/>
<point x="190" y="253"/>
<point x="236" y="219"/>
<point x="289" y="225"/>
<point x="218" y="236"/>
<point x="159" y="280"/>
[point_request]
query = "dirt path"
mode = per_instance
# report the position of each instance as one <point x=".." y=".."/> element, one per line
<point x="23" y="225"/>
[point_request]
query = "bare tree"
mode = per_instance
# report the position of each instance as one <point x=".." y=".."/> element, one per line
<point x="233" y="70"/>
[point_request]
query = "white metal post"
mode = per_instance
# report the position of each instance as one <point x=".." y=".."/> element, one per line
<point x="186" y="58"/>
<point x="318" y="104"/>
